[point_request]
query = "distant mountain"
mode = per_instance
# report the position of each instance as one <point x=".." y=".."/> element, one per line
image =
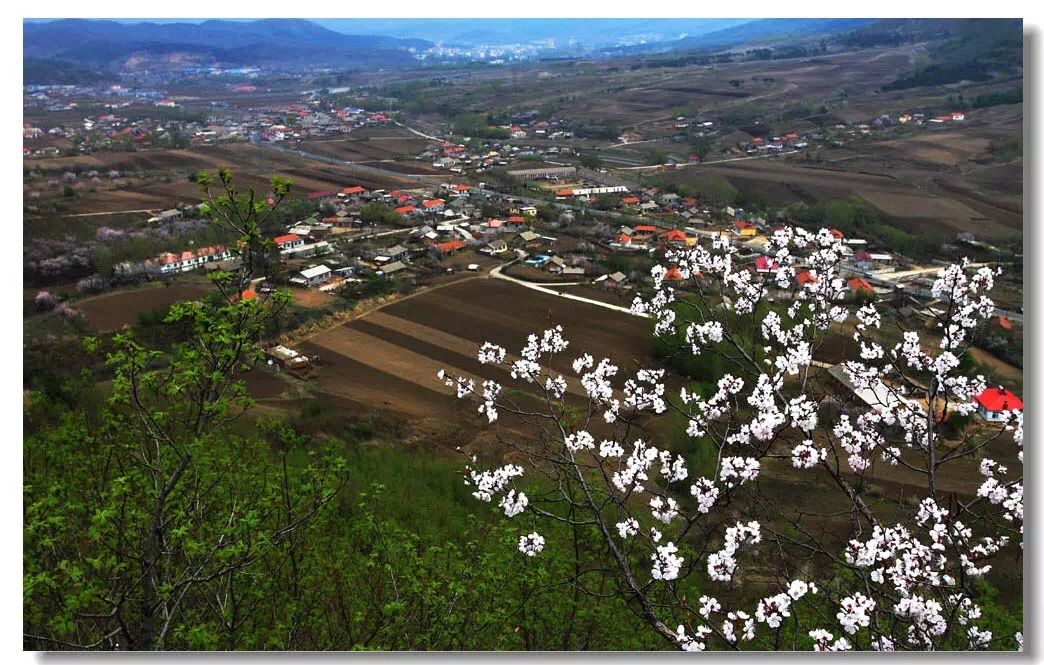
<point x="770" y="28"/>
<point x="590" y="32"/>
<point x="58" y="72"/>
<point x="112" y="44"/>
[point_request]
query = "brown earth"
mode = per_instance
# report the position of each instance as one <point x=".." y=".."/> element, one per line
<point x="112" y="311"/>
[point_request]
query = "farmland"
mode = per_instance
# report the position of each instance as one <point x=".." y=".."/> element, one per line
<point x="388" y="359"/>
<point x="158" y="179"/>
<point x="112" y="311"/>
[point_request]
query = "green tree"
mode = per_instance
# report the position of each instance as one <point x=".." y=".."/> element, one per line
<point x="170" y="503"/>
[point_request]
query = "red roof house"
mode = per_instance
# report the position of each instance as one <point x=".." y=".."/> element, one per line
<point x="765" y="264"/>
<point x="289" y="239"/>
<point x="995" y="401"/>
<point x="450" y="247"/>
<point x="858" y="284"/>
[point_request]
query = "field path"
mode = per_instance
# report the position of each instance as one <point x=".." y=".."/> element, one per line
<point x="496" y="274"/>
<point x="109" y="212"/>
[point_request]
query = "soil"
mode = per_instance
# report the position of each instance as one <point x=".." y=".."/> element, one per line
<point x="112" y="311"/>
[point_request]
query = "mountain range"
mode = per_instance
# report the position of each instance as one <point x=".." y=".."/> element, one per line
<point x="113" y="45"/>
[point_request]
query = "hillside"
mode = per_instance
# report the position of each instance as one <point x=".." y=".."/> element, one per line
<point x="109" y="44"/>
<point x="769" y="28"/>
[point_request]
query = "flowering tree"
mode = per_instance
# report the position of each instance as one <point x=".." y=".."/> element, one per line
<point x="712" y="559"/>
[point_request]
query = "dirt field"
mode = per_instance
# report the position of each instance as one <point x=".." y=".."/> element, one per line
<point x="159" y="179"/>
<point x="311" y="297"/>
<point x="112" y="311"/>
<point x="389" y="359"/>
<point x="917" y="201"/>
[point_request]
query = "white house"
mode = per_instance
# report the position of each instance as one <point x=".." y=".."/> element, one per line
<point x="314" y="275"/>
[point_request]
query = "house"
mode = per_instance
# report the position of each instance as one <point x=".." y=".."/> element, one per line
<point x="393" y="268"/>
<point x="288" y="241"/>
<point x="528" y="211"/>
<point x="863" y="260"/>
<point x="744" y="229"/>
<point x="630" y="200"/>
<point x="353" y="191"/>
<point x="623" y="239"/>
<point x="676" y="237"/>
<point x="993" y="402"/>
<point x="764" y="264"/>
<point x="615" y="280"/>
<point x="672" y="275"/>
<point x="1001" y="323"/>
<point x="555" y="265"/>
<point x="434" y="205"/>
<point x="184" y="261"/>
<point x="493" y="226"/>
<point x="516" y="223"/>
<point x="643" y="232"/>
<point x="166" y="216"/>
<point x="322" y="196"/>
<point x="528" y="239"/>
<point x="860" y="286"/>
<point x="397" y="253"/>
<point x="449" y="248"/>
<point x="498" y="246"/>
<point x="806" y="277"/>
<point x="957" y="116"/>
<point x="313" y="276"/>
<point x="308" y="249"/>
<point x="578" y="271"/>
<point x="405" y="210"/>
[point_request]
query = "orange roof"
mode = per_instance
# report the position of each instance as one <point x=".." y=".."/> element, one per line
<point x="405" y="209"/>
<point x="858" y="284"/>
<point x="353" y="190"/>
<point x="517" y="219"/>
<point x="432" y="203"/>
<point x="756" y="140"/>
<point x="1001" y="322"/>
<point x="675" y="235"/>
<point x="630" y="199"/>
<point x="806" y="278"/>
<point x="564" y="192"/>
<point x="461" y="188"/>
<point x="290" y="237"/>
<point x="646" y="227"/>
<point x="837" y="234"/>
<point x="451" y="246"/>
<point x="740" y="224"/>
<point x="673" y="275"/>
<point x="623" y="238"/>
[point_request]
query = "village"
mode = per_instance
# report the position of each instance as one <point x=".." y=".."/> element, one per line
<point x="423" y="236"/>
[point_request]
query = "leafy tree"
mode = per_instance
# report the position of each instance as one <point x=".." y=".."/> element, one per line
<point x="169" y="504"/>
